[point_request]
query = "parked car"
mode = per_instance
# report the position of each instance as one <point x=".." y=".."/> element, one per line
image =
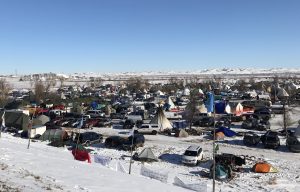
<point x="135" y="141"/>
<point x="205" y="122"/>
<point x="270" y="140"/>
<point x="192" y="155"/>
<point x="264" y="114"/>
<point x="95" y="113"/>
<point x="90" y="123"/>
<point x="293" y="142"/>
<point x="255" y="124"/>
<point x="89" y="138"/>
<point x="152" y="129"/>
<point x="251" y="139"/>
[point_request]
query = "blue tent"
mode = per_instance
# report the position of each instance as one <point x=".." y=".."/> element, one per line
<point x="220" y="107"/>
<point x="227" y="132"/>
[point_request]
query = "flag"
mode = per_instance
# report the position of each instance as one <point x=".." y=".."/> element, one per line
<point x="209" y="104"/>
<point x="3" y="120"/>
<point x="216" y="148"/>
<point x="131" y="133"/>
<point x="80" y="123"/>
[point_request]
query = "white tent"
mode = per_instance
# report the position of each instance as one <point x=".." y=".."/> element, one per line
<point x="234" y="108"/>
<point x="161" y="120"/>
<point x="186" y="91"/>
<point x="170" y="102"/>
<point x="282" y="93"/>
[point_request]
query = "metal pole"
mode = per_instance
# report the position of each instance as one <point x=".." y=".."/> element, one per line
<point x="29" y="132"/>
<point x="214" y="155"/>
<point x="131" y="151"/>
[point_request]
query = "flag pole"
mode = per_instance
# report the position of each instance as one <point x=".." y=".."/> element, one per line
<point x="214" y="154"/>
<point x="29" y="131"/>
<point x="3" y="123"/>
<point x="131" y="151"/>
<point x="77" y="142"/>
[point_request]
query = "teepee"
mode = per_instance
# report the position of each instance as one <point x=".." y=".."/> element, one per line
<point x="161" y="120"/>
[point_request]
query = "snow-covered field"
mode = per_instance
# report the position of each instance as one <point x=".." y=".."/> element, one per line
<point x="46" y="168"/>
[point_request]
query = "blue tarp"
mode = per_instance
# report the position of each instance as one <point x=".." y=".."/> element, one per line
<point x="209" y="104"/>
<point x="227" y="132"/>
<point x="220" y="107"/>
<point x="180" y="124"/>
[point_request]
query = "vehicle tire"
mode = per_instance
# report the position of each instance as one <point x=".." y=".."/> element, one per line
<point x="136" y="132"/>
<point x="154" y="132"/>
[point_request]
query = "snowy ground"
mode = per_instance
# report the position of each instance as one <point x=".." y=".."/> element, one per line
<point x="46" y="168"/>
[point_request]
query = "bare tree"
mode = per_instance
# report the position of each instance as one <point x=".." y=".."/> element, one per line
<point x="39" y="91"/>
<point x="192" y="106"/>
<point x="5" y="88"/>
<point x="62" y="81"/>
<point x="96" y="82"/>
<point x="49" y="82"/>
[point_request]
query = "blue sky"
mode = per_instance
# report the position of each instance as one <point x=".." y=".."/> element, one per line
<point x="142" y="35"/>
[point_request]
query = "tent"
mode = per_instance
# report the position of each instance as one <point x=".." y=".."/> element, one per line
<point x="220" y="136"/>
<point x="147" y="155"/>
<point x="186" y="92"/>
<point x="281" y="93"/>
<point x="234" y="108"/>
<point x="227" y="132"/>
<point x="16" y="119"/>
<point x="263" y="167"/>
<point x="181" y="133"/>
<point x="41" y="120"/>
<point x="161" y="120"/>
<point x="54" y="135"/>
<point x="220" y="107"/>
<point x="170" y="104"/>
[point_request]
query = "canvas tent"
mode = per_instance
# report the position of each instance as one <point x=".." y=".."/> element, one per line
<point x="161" y="120"/>
<point x="41" y="120"/>
<point x="16" y="119"/>
<point x="234" y="108"/>
<point x="54" y="135"/>
<point x="147" y="155"/>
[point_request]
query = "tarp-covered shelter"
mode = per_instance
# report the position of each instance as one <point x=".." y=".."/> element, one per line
<point x="161" y="120"/>
<point x="16" y="119"/>
<point x="227" y="132"/>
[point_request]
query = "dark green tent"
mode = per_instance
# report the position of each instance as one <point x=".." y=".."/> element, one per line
<point x="16" y="119"/>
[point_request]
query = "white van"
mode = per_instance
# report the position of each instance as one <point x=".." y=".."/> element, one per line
<point x="192" y="155"/>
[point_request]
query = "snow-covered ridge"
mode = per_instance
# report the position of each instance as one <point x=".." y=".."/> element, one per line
<point x="205" y="72"/>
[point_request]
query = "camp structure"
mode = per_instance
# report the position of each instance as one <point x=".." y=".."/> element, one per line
<point x="281" y="93"/>
<point x="169" y="104"/>
<point x="263" y="167"/>
<point x="234" y="108"/>
<point x="37" y="130"/>
<point x="181" y="133"/>
<point x="16" y="119"/>
<point x="41" y="120"/>
<point x="161" y="120"/>
<point x="54" y="135"/>
<point x="146" y="155"/>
